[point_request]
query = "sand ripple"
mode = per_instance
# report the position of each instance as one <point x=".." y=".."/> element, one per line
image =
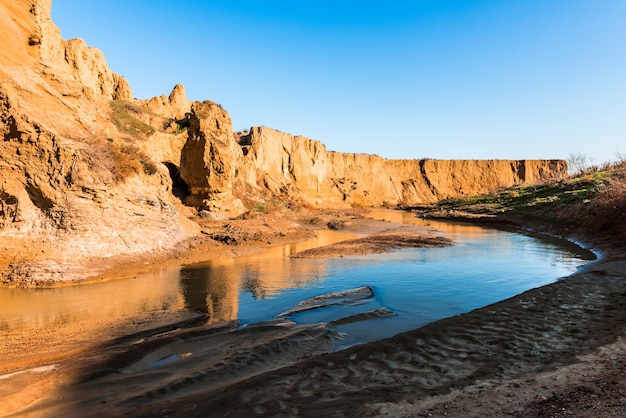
<point x="283" y="369"/>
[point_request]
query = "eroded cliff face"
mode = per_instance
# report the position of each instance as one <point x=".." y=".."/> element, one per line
<point x="277" y="164"/>
<point x="81" y="165"/>
<point x="86" y="171"/>
<point x="208" y="160"/>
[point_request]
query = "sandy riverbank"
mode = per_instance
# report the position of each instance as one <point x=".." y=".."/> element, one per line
<point x="542" y="353"/>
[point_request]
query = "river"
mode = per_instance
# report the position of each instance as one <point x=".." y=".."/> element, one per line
<point x="412" y="287"/>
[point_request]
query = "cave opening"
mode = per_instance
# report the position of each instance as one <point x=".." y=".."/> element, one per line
<point x="180" y="189"/>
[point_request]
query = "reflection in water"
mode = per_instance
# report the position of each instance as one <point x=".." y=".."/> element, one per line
<point x="89" y="305"/>
<point x="448" y="228"/>
<point x="470" y="239"/>
<point x="211" y="287"/>
<point x="214" y="287"/>
<point x="210" y="290"/>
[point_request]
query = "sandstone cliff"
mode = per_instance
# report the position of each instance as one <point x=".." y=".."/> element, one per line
<point x="280" y="164"/>
<point x="81" y="173"/>
<point x="86" y="171"/>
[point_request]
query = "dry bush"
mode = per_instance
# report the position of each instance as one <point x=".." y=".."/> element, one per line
<point x="609" y="206"/>
<point x="579" y="164"/>
<point x="125" y="162"/>
<point x="120" y="160"/>
<point x="619" y="167"/>
<point x="132" y="153"/>
<point x="99" y="158"/>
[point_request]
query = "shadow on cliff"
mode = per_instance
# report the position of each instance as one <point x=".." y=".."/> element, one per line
<point x="180" y="189"/>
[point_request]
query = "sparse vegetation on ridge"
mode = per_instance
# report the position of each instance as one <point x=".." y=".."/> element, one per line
<point x="122" y="157"/>
<point x="181" y="126"/>
<point x="589" y="202"/>
<point x="124" y="116"/>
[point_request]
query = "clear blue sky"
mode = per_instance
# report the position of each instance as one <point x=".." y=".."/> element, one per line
<point x="401" y="79"/>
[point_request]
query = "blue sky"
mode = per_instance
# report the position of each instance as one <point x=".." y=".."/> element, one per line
<point x="402" y="79"/>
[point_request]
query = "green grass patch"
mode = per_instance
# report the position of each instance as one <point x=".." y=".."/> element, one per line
<point x="526" y="196"/>
<point x="181" y="126"/>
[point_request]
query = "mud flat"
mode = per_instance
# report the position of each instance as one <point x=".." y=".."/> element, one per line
<point x="383" y="242"/>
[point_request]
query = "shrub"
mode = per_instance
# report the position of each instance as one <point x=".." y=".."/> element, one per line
<point x="122" y="161"/>
<point x="609" y="205"/>
<point x="181" y="126"/>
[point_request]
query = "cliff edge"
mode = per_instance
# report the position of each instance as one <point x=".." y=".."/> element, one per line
<point x="281" y="164"/>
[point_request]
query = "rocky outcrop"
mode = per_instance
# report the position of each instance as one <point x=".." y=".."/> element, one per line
<point x="80" y="199"/>
<point x="208" y="160"/>
<point x="72" y="66"/>
<point x="81" y="173"/>
<point x="57" y="81"/>
<point x="175" y="106"/>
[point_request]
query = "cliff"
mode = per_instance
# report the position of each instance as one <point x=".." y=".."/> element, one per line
<point x="276" y="163"/>
<point x="86" y="171"/>
<point x="81" y="175"/>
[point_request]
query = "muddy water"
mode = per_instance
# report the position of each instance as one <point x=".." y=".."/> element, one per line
<point x="411" y="287"/>
<point x="214" y="288"/>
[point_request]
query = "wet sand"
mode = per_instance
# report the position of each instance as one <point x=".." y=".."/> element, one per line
<point x="379" y="243"/>
<point x="525" y="356"/>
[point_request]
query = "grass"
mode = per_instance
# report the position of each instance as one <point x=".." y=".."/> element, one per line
<point x="524" y="196"/>
<point x="268" y="206"/>
<point x="121" y="157"/>
<point x="588" y="203"/>
<point x="181" y="126"/>
<point x="571" y="190"/>
<point x="125" y="116"/>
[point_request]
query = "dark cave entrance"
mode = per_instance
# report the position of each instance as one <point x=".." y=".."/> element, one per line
<point x="180" y="189"/>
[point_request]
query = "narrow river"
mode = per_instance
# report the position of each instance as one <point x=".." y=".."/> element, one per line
<point x="414" y="286"/>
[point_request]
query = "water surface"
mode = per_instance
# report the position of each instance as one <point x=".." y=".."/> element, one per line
<point x="419" y="285"/>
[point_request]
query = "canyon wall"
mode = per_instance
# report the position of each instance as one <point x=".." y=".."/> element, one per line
<point x="283" y="164"/>
<point x="88" y="171"/>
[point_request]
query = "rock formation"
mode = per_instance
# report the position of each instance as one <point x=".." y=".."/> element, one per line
<point x="208" y="159"/>
<point x="91" y="172"/>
